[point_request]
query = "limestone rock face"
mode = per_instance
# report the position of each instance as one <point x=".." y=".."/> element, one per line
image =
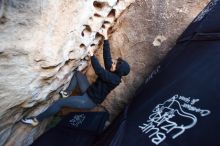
<point x="43" y="41"/>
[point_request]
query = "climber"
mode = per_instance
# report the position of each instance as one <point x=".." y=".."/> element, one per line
<point x="93" y="94"/>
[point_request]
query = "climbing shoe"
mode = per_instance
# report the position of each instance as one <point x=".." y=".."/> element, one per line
<point x="30" y="121"/>
<point x="64" y="94"/>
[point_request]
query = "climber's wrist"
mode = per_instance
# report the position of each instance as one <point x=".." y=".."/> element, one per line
<point x="106" y="37"/>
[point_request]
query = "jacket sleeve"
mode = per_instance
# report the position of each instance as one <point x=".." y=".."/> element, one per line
<point x="101" y="72"/>
<point x="107" y="55"/>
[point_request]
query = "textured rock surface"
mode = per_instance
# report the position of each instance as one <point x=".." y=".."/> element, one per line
<point x="41" y="42"/>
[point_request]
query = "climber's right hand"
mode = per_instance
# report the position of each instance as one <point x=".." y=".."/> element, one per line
<point x="91" y="53"/>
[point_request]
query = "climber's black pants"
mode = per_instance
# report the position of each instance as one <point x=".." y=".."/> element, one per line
<point x="79" y="102"/>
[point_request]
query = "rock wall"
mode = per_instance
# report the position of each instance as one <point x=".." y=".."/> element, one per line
<point x="42" y="42"/>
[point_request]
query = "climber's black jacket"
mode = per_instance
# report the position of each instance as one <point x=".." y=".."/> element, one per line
<point x="106" y="80"/>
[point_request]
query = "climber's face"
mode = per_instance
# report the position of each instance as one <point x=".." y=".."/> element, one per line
<point x="114" y="63"/>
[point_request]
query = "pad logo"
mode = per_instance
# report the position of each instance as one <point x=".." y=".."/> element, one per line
<point x="77" y="120"/>
<point x="173" y="118"/>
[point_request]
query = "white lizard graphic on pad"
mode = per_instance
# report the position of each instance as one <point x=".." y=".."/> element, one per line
<point x="77" y="120"/>
<point x="170" y="118"/>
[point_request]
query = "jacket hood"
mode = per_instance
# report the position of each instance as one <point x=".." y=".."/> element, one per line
<point x="122" y="68"/>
